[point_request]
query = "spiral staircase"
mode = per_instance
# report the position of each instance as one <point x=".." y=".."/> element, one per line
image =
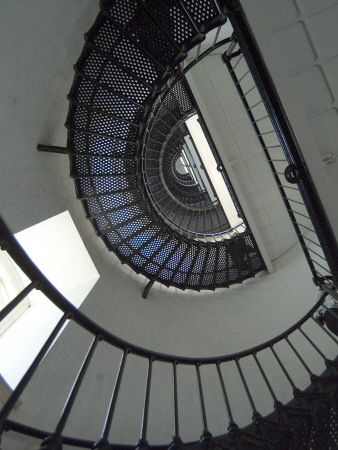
<point x="126" y="129"/>
<point x="127" y="103"/>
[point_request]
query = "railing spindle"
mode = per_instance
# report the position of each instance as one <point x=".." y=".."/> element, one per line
<point x="324" y="329"/>
<point x="216" y="36"/>
<point x="298" y="356"/>
<point x="273" y="395"/>
<point x="14" y="303"/>
<point x="232" y="423"/>
<point x="76" y="386"/>
<point x="143" y="437"/>
<point x="176" y="442"/>
<point x="30" y="372"/>
<point x="206" y="435"/>
<point x="111" y="409"/>
<point x="313" y="345"/>
<point x="247" y="391"/>
<point x="294" y="387"/>
<point x="177" y="430"/>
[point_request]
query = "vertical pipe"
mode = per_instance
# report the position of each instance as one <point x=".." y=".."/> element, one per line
<point x="283" y="369"/>
<point x="313" y="344"/>
<point x="273" y="395"/>
<point x="298" y="356"/>
<point x="216" y="36"/>
<point x="321" y="326"/>
<point x="198" y="52"/>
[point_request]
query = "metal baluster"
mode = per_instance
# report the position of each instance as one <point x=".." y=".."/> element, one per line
<point x="30" y="372"/>
<point x="143" y="443"/>
<point x="294" y="387"/>
<point x="327" y="332"/>
<point x="176" y="442"/>
<point x="299" y="357"/>
<point x="331" y="312"/>
<point x="273" y="395"/>
<point x="8" y="308"/>
<point x="103" y="442"/>
<point x="232" y="424"/>
<point x="206" y="435"/>
<point x="198" y="52"/>
<point x="327" y="361"/>
<point x="255" y="413"/>
<point x="216" y="36"/>
<point x="55" y="439"/>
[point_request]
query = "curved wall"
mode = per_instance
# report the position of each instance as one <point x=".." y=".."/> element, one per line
<point x="40" y="43"/>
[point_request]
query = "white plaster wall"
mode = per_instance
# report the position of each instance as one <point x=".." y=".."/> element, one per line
<point x="193" y="325"/>
<point x="40" y="42"/>
<point x="241" y="152"/>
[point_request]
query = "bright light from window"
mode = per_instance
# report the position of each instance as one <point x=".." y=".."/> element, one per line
<point x="215" y="176"/>
<point x="56" y="247"/>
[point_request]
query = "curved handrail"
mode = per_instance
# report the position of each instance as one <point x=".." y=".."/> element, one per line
<point x="10" y="244"/>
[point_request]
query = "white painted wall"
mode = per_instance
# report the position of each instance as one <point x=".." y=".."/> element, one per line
<point x="35" y="81"/>
<point x="224" y="322"/>
<point x="298" y="40"/>
<point x="54" y="246"/>
<point x="242" y="154"/>
<point x="40" y="42"/>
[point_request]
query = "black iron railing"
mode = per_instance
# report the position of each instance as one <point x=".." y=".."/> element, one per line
<point x="281" y="422"/>
<point x="119" y="87"/>
<point x="128" y="73"/>
<point x="269" y="120"/>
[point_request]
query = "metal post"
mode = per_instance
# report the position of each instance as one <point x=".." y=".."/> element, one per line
<point x="113" y="400"/>
<point x="143" y="443"/>
<point x="232" y="423"/>
<point x="254" y="410"/>
<point x="206" y="433"/>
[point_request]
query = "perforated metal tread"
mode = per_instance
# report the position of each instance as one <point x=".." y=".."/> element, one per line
<point x="130" y="53"/>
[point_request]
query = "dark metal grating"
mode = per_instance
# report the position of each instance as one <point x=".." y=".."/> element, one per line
<point x="121" y="77"/>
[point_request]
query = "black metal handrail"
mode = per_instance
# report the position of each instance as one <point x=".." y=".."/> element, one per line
<point x="245" y="49"/>
<point x="54" y="439"/>
<point x="9" y="243"/>
<point x="13" y="248"/>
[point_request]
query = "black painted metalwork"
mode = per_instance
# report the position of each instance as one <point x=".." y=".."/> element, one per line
<point x="16" y="301"/>
<point x="128" y="97"/>
<point x="108" y="98"/>
<point x="245" y="52"/>
<point x="111" y="410"/>
<point x="147" y="289"/>
<point x="302" y="406"/>
<point x="8" y="406"/>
